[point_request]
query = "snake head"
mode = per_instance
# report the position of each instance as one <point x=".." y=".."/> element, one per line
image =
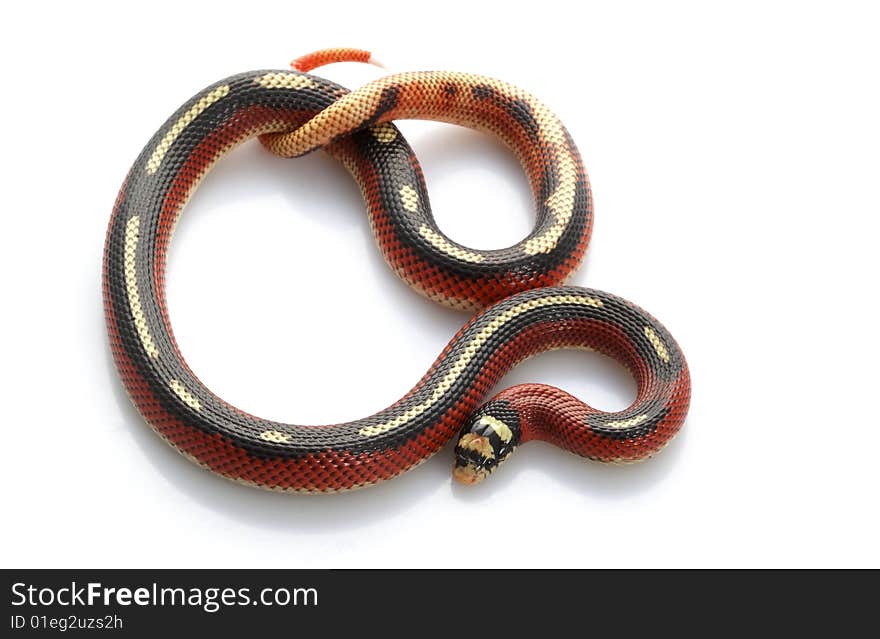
<point x="485" y="441"/>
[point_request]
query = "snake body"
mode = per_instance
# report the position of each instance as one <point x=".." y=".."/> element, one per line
<point x="524" y="309"/>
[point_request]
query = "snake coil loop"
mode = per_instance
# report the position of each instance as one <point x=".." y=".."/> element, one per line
<point x="524" y="307"/>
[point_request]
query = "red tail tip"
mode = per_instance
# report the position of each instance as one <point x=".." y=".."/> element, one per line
<point x="320" y="58"/>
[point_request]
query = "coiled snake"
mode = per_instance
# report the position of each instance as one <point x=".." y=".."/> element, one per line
<point x="525" y="308"/>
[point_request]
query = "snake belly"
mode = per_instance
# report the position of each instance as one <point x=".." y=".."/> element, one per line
<point x="295" y="113"/>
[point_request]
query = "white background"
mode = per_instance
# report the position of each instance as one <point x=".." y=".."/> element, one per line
<point x="734" y="152"/>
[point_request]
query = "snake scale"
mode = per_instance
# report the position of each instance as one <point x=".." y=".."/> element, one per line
<point x="523" y="307"/>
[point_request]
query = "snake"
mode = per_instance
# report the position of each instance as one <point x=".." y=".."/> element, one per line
<point x="519" y="297"/>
